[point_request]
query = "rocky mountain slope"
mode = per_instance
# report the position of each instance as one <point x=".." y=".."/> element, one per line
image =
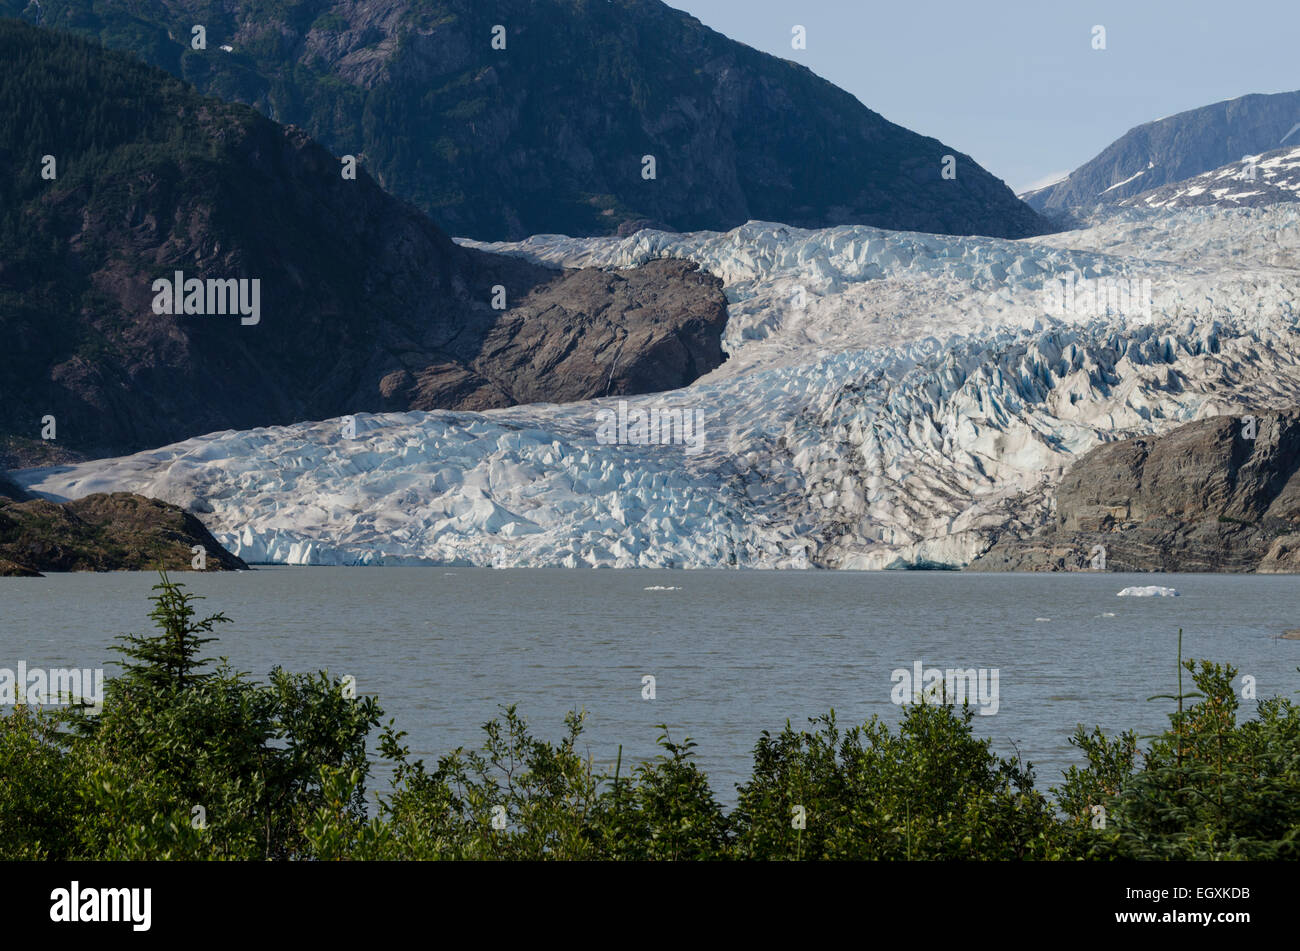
<point x="104" y="532"/>
<point x="1175" y="148"/>
<point x="127" y="177"/>
<point x="1253" y="182"/>
<point x="1220" y="494"/>
<point x="889" y="400"/>
<point x="549" y="133"/>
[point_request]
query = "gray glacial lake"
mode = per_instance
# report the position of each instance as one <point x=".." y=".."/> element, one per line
<point x="733" y="652"/>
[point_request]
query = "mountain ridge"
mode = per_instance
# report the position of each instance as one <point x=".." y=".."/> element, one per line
<point x="364" y="304"/>
<point x="1174" y="148"/>
<point x="549" y="134"/>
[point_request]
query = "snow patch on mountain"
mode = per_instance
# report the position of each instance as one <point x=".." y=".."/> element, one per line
<point x="1255" y="180"/>
<point x="1150" y="165"/>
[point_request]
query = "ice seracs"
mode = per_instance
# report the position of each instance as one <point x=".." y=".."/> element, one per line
<point x="890" y="400"/>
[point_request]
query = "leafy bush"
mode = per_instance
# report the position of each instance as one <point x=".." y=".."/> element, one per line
<point x="932" y="791"/>
<point x="1207" y="788"/>
<point x="182" y="762"/>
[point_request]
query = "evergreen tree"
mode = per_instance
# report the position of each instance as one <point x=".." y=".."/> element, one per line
<point x="171" y="658"/>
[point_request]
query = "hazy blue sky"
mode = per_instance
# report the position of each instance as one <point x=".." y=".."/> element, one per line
<point x="1016" y="84"/>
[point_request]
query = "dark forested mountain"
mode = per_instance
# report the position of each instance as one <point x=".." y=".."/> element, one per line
<point x="550" y="132"/>
<point x="1175" y="148"/>
<point x="303" y="294"/>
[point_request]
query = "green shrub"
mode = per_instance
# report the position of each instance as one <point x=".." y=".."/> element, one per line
<point x="1207" y="788"/>
<point x="182" y="762"/>
<point x="933" y="791"/>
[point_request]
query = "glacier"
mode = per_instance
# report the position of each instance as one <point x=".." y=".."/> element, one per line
<point x="889" y="400"/>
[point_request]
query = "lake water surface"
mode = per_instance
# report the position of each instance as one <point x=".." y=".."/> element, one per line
<point x="733" y="653"/>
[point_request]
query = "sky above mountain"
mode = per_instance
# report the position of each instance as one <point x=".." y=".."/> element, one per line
<point x="1020" y="88"/>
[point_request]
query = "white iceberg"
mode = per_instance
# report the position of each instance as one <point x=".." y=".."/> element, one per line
<point x="1149" y="591"/>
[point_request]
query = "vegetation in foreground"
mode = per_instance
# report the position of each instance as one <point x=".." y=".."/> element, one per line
<point x="188" y="759"/>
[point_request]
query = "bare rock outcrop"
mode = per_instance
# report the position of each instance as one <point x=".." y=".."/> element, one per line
<point x="116" y="531"/>
<point x="1220" y="494"/>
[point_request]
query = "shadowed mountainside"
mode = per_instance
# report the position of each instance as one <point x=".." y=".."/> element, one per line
<point x="548" y="134"/>
<point x="363" y="304"/>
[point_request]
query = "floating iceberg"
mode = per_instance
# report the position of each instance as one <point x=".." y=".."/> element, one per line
<point x="1150" y="591"/>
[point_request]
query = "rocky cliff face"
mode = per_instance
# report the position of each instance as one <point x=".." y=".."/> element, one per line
<point x="104" y="532"/>
<point x="589" y="333"/>
<point x="546" y="130"/>
<point x="363" y="304"/>
<point x="1220" y="494"/>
